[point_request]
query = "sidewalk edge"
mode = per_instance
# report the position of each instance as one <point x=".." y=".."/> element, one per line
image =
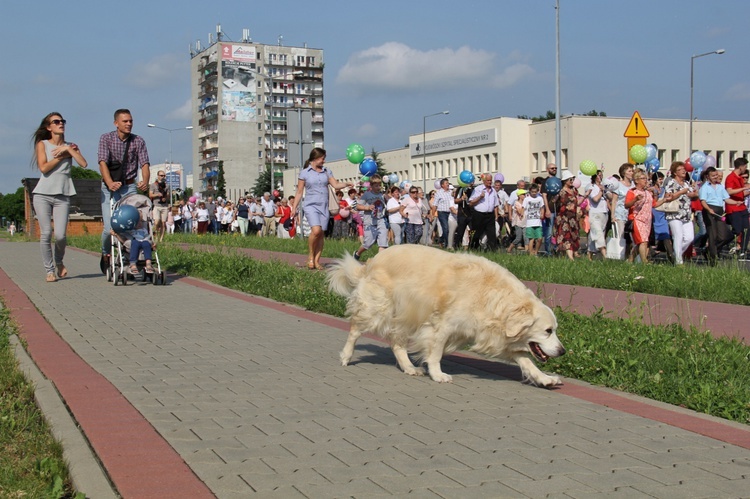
<point x="86" y="472"/>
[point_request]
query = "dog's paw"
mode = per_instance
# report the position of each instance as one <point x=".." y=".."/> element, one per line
<point x="442" y="377"/>
<point x="345" y="359"/>
<point x="547" y="381"/>
<point x="413" y="371"/>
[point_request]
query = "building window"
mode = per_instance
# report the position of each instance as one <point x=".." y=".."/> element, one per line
<point x="720" y="160"/>
<point x="564" y="153"/>
<point x="674" y="155"/>
<point x="535" y="162"/>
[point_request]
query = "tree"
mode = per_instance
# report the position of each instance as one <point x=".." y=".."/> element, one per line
<point x="78" y="172"/>
<point x="221" y="184"/>
<point x="551" y="115"/>
<point x="381" y="166"/>
<point x="12" y="205"/>
<point x="264" y="183"/>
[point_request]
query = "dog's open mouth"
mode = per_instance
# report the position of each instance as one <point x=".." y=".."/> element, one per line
<point x="537" y="352"/>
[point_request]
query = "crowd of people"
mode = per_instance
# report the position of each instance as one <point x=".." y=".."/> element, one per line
<point x="631" y="215"/>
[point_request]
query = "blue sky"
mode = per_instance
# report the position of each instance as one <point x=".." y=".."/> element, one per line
<point x="388" y="64"/>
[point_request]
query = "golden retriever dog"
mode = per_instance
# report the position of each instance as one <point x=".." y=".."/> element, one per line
<point x="431" y="302"/>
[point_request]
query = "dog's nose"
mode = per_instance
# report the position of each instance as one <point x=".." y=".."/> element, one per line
<point x="561" y="352"/>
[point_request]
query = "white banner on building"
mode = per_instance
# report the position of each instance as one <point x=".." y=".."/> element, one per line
<point x="473" y="139"/>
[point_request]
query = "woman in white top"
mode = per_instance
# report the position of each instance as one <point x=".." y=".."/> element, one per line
<point x="54" y="158"/>
<point x="394" y="214"/>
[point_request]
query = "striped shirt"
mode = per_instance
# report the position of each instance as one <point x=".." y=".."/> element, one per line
<point x="443" y="200"/>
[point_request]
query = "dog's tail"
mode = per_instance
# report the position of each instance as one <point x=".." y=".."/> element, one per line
<point x="344" y="274"/>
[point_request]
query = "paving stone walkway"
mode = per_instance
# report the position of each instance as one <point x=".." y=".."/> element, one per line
<point x="237" y="396"/>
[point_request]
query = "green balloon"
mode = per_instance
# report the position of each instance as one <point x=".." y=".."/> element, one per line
<point x="355" y="153"/>
<point x="365" y="178"/>
<point x="638" y="153"/>
<point x="588" y="167"/>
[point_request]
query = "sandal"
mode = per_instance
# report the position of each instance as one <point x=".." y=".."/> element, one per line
<point x="133" y="269"/>
<point x="310" y="265"/>
<point x="319" y="267"/>
<point x="149" y="269"/>
<point x="51" y="277"/>
<point x="62" y="271"/>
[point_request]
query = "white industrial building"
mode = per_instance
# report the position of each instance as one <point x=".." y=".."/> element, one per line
<point x="521" y="149"/>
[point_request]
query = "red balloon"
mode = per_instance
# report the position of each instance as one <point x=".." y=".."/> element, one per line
<point x="688" y="167"/>
<point x="275" y="194"/>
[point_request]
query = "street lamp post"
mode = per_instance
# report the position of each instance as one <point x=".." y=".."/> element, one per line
<point x="424" y="148"/>
<point x="692" y="61"/>
<point x="170" y="130"/>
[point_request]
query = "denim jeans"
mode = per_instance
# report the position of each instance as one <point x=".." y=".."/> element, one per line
<point x="48" y="208"/>
<point x="106" y="196"/>
<point x="548" y="229"/>
<point x="443" y="220"/>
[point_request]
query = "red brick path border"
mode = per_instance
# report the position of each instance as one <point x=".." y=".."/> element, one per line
<point x="137" y="459"/>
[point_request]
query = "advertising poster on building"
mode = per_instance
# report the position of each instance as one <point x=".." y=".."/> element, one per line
<point x="239" y="87"/>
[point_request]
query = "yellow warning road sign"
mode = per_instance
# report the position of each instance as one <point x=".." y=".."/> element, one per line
<point x="636" y="127"/>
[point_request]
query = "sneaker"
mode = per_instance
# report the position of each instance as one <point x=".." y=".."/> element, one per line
<point x="104" y="263"/>
<point x="356" y="256"/>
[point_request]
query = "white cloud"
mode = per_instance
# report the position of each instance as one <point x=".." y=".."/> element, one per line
<point x="184" y="112"/>
<point x="367" y="130"/>
<point x="162" y="69"/>
<point x="738" y="92"/>
<point x="395" y="65"/>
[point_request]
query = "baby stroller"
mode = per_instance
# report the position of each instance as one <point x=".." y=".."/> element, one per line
<point x="120" y="261"/>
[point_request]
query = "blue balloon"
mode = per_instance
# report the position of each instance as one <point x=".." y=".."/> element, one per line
<point x="368" y="167"/>
<point x="466" y="177"/>
<point x="698" y="159"/>
<point x="553" y="185"/>
<point x="650" y="152"/>
<point x="653" y="165"/>
<point x="125" y="218"/>
<point x="394" y="178"/>
<point x="696" y="176"/>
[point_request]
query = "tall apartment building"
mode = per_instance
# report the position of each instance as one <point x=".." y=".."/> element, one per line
<point x="241" y="92"/>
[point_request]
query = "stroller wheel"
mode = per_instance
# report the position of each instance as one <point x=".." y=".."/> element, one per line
<point x="124" y="276"/>
<point x="109" y="274"/>
<point x="163" y="275"/>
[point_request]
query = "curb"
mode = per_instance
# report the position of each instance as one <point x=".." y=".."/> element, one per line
<point x="86" y="472"/>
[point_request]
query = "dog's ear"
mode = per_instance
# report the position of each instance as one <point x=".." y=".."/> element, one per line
<point x="520" y="318"/>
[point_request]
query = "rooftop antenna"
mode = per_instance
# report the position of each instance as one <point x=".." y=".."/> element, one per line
<point x="281" y="39"/>
<point x="197" y="45"/>
<point x="246" y="35"/>
<point x="218" y="32"/>
<point x="210" y="39"/>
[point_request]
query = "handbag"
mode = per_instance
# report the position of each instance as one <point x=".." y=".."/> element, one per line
<point x="670" y="206"/>
<point x="333" y="202"/>
<point x="116" y="167"/>
<point x="615" y="245"/>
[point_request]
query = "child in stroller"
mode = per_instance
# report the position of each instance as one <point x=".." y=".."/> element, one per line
<point x="132" y="233"/>
<point x="139" y="240"/>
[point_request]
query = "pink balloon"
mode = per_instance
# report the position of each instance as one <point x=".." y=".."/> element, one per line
<point x="576" y="182"/>
<point x="710" y="161"/>
<point x="193" y="199"/>
<point x="500" y="177"/>
<point x="437" y="184"/>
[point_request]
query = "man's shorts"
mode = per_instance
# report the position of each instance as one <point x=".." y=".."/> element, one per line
<point x="375" y="233"/>
<point x="534" y="232"/>
<point x="160" y="213"/>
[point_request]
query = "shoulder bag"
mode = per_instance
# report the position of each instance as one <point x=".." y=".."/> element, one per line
<point x="333" y="201"/>
<point x="116" y="167"/>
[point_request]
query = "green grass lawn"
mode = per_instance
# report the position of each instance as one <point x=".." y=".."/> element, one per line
<point x="726" y="283"/>
<point x="31" y="462"/>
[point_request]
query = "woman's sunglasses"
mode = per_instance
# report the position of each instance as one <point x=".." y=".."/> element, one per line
<point x="58" y="122"/>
